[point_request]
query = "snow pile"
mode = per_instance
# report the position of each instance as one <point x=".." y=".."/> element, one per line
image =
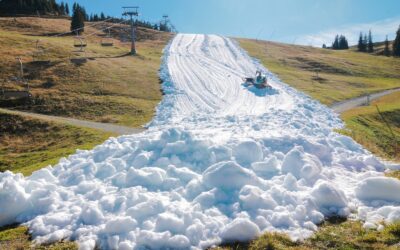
<point x="219" y="163"/>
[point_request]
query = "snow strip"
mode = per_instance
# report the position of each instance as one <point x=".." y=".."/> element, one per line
<point x="219" y="163"/>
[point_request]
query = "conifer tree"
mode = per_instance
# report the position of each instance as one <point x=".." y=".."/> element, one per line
<point x="386" y="50"/>
<point x="396" y="44"/>
<point x="66" y="9"/>
<point x="78" y="20"/>
<point x="62" y="8"/>
<point x="370" y="43"/>
<point x="343" y="44"/>
<point x="360" y="45"/>
<point x="335" y="44"/>
<point x="365" y="43"/>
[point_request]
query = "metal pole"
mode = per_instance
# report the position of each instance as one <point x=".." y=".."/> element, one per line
<point x="22" y="73"/>
<point x="21" y="67"/>
<point x="132" y="11"/>
<point x="133" y="47"/>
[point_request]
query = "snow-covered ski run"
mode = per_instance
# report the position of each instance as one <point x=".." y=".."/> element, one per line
<point x="220" y="162"/>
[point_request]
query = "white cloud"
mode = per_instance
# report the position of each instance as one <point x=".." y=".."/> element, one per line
<point x="379" y="31"/>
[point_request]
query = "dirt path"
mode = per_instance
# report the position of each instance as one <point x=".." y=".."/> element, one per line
<point x="117" y="129"/>
<point x="339" y="107"/>
<point x="343" y="106"/>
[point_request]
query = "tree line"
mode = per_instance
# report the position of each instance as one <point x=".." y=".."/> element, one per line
<point x="367" y="45"/>
<point x="33" y="7"/>
<point x="340" y="43"/>
<point x="78" y="18"/>
<point x="102" y="17"/>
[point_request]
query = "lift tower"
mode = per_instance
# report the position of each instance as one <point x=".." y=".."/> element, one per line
<point x="165" y="17"/>
<point x="132" y="12"/>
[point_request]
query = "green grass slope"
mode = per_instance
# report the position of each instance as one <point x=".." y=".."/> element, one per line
<point x="341" y="74"/>
<point x="28" y="144"/>
<point x="347" y="235"/>
<point x="379" y="132"/>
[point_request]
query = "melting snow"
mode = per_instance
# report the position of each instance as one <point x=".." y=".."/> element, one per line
<point x="220" y="162"/>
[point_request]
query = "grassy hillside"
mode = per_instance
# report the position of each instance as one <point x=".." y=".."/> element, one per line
<point x="341" y="74"/>
<point x="111" y="87"/>
<point x="379" y="48"/>
<point x="379" y="132"/>
<point x="28" y="144"/>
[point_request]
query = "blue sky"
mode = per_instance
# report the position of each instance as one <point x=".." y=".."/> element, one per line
<point x="309" y="22"/>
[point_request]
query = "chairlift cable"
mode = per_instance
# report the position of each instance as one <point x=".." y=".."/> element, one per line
<point x="75" y="30"/>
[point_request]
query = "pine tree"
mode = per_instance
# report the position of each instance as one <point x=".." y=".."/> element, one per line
<point x="360" y="43"/>
<point x="324" y="46"/>
<point x="396" y="44"/>
<point x="78" y="20"/>
<point x="386" y="50"/>
<point x="102" y="16"/>
<point x="335" y="44"/>
<point x="365" y="43"/>
<point x="66" y="9"/>
<point x="343" y="44"/>
<point x="62" y="9"/>
<point x="370" y="43"/>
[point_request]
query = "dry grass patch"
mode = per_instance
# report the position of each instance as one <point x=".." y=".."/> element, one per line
<point x="18" y="238"/>
<point x="331" y="235"/>
<point x="111" y="83"/>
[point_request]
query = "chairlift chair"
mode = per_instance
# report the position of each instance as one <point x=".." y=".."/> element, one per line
<point x="80" y="43"/>
<point x="19" y="81"/>
<point x="107" y="41"/>
<point x="39" y="53"/>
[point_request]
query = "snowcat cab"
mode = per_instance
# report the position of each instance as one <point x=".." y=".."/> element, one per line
<point x="259" y="81"/>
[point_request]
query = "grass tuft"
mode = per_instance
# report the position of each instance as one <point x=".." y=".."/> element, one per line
<point x="331" y="235"/>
